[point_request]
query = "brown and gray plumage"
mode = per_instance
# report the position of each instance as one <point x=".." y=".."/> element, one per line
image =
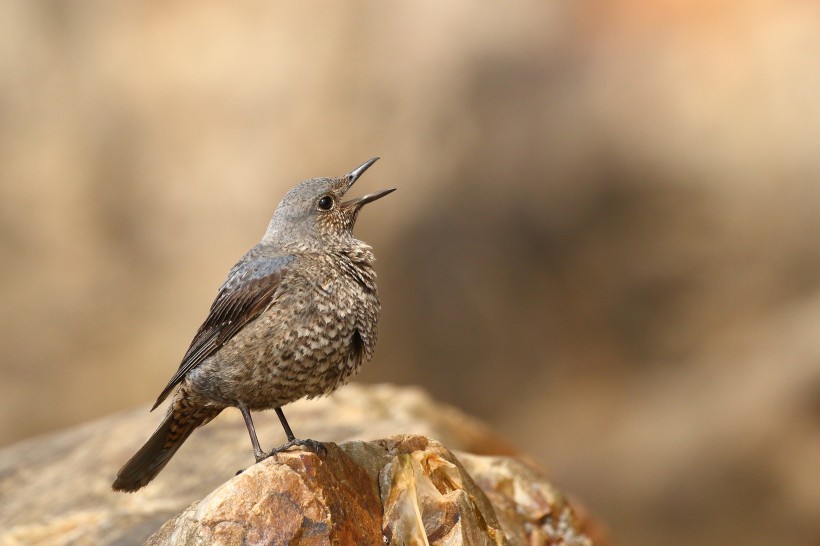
<point x="295" y="318"/>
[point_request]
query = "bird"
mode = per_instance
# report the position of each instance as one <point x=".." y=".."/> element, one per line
<point x="295" y="318"/>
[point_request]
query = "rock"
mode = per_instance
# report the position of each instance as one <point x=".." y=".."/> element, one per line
<point x="295" y="498"/>
<point x="428" y="497"/>
<point x="531" y="510"/>
<point x="404" y="489"/>
<point x="407" y="489"/>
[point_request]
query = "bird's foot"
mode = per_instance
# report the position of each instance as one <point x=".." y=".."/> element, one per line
<point x="311" y="445"/>
<point x="261" y="456"/>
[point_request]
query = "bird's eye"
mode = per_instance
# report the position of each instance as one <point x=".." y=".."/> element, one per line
<point x="326" y="203"/>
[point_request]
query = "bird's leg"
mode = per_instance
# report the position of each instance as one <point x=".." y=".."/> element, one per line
<point x="285" y="425"/>
<point x="257" y="451"/>
<point x="312" y="445"/>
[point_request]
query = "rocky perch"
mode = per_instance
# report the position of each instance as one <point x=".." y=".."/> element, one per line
<point x="403" y="489"/>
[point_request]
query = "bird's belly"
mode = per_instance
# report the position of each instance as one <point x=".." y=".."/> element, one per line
<point x="268" y="365"/>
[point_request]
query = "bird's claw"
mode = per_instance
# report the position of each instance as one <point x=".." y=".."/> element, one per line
<point x="311" y="445"/>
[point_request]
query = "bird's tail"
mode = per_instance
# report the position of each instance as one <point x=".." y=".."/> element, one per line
<point x="182" y="419"/>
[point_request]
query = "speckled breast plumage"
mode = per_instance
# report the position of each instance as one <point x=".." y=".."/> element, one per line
<point x="319" y="326"/>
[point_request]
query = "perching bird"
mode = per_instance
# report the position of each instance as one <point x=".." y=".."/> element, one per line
<point x="295" y="318"/>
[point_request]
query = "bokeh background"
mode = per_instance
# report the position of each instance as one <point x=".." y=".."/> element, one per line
<point x="606" y="239"/>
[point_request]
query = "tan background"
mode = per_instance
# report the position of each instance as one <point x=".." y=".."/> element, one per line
<point x="606" y="239"/>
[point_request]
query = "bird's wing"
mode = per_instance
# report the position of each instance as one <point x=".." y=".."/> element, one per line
<point x="247" y="292"/>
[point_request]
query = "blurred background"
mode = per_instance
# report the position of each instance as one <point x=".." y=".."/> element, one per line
<point x="605" y="243"/>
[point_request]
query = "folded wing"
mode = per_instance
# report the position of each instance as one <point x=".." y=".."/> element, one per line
<point x="249" y="290"/>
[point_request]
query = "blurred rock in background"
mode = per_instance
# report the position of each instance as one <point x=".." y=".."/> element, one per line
<point x="606" y="239"/>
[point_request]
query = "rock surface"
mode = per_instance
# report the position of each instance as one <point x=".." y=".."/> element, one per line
<point x="405" y="489"/>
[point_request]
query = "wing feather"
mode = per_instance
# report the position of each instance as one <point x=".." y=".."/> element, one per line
<point x="249" y="290"/>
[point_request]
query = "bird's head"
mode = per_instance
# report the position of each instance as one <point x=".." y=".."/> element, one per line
<point x="316" y="212"/>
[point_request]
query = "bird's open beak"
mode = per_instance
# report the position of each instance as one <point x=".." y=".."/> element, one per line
<point x="369" y="198"/>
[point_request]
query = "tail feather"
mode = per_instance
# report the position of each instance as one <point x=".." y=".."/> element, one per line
<point x="152" y="457"/>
